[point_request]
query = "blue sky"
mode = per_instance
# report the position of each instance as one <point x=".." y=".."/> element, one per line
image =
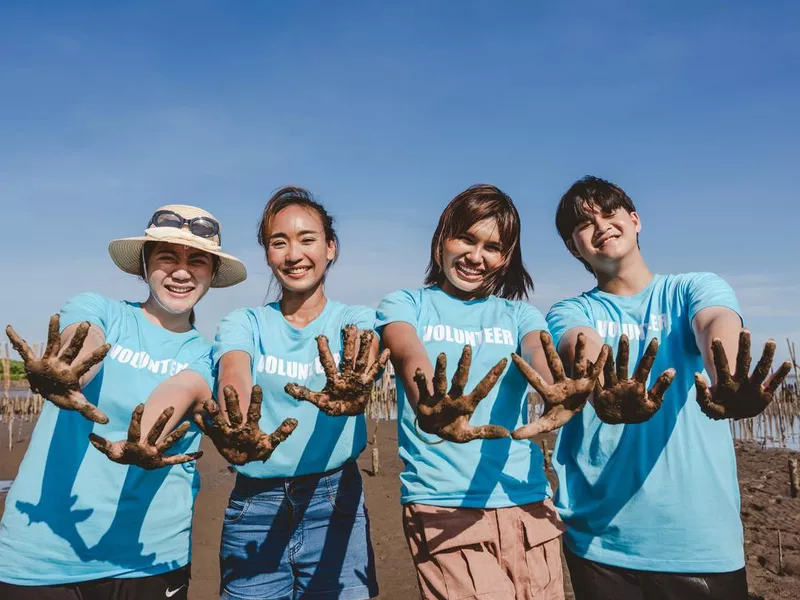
<point x="386" y="111"/>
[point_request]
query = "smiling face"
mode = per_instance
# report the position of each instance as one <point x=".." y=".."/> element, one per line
<point x="178" y="276"/>
<point x="469" y="260"/>
<point x="605" y="237"/>
<point x="297" y="251"/>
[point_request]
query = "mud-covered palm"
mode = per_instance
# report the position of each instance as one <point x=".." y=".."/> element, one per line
<point x="240" y="441"/>
<point x="447" y="413"/>
<point x="623" y="400"/>
<point x="148" y="453"/>
<point x="346" y="392"/>
<point x="56" y="375"/>
<point x="566" y="396"/>
<point x="740" y="396"/>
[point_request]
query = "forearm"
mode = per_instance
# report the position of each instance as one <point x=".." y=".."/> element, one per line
<point x="408" y="355"/>
<point x="183" y="392"/>
<point x="234" y="371"/>
<point x="717" y="323"/>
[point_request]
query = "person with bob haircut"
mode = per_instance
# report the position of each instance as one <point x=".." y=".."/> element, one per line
<point x="647" y="477"/>
<point x="476" y="510"/>
<point x="296" y="526"/>
<point x="76" y="525"/>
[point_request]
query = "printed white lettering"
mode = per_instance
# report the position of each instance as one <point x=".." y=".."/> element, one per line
<point x="271" y="365"/>
<point x="428" y="333"/>
<point x="438" y="333"/>
<point x="125" y="356"/>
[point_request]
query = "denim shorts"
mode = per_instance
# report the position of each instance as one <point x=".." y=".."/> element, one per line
<point x="298" y="537"/>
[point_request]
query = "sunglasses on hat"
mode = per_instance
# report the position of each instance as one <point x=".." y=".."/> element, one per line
<point x="204" y="227"/>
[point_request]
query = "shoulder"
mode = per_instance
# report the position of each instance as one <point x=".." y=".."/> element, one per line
<point x="576" y="304"/>
<point x="357" y="314"/>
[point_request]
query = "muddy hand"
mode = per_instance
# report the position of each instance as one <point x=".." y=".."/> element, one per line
<point x="623" y="400"/>
<point x="237" y="440"/>
<point x="566" y="396"/>
<point x="148" y="453"/>
<point x="738" y="396"/>
<point x="57" y="376"/>
<point x="447" y="413"/>
<point x="346" y="392"/>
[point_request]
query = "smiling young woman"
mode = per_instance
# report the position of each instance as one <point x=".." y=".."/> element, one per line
<point x="77" y="525"/>
<point x="469" y="491"/>
<point x="297" y="524"/>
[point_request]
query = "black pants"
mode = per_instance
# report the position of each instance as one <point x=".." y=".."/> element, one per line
<point x="173" y="585"/>
<point x="595" y="581"/>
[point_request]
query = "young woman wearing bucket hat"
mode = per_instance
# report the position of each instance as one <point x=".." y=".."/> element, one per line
<point x="296" y="526"/>
<point x="76" y="525"/>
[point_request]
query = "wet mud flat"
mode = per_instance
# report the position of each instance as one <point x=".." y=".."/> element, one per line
<point x="766" y="509"/>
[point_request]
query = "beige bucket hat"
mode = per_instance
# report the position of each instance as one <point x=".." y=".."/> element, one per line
<point x="127" y="252"/>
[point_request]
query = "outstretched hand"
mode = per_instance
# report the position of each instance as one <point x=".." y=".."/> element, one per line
<point x="447" y="413"/>
<point x="239" y="441"/>
<point x="55" y="376"/>
<point x="623" y="400"/>
<point x="566" y="396"/>
<point x="346" y="392"/>
<point x="148" y="453"/>
<point x="740" y="396"/>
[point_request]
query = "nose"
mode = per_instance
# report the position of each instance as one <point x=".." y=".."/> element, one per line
<point x="294" y="254"/>
<point x="181" y="271"/>
<point x="474" y="254"/>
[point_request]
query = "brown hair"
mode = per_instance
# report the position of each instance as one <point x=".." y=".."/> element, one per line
<point x="483" y="201"/>
<point x="296" y="196"/>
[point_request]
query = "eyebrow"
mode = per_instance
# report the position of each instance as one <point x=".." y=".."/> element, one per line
<point x="299" y="233"/>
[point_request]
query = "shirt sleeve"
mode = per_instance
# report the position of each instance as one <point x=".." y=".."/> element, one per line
<point x="234" y="332"/>
<point x="704" y="290"/>
<point x="362" y="317"/>
<point x="94" y="308"/>
<point x="566" y="315"/>
<point x="529" y="318"/>
<point x="400" y="306"/>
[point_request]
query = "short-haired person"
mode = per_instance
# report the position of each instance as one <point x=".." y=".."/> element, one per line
<point x="647" y="478"/>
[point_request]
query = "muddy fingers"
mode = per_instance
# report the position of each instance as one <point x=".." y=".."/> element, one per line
<point x="740" y="395"/>
<point x="347" y="389"/>
<point x="566" y="396"/>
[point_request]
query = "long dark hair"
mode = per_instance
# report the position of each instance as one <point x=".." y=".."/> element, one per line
<point x="483" y="201"/>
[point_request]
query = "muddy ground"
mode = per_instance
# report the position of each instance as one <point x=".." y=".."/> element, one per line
<point x="766" y="510"/>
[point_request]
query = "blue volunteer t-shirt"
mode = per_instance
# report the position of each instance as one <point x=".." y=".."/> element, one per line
<point x="481" y="473"/>
<point x="72" y="514"/>
<point x="660" y="495"/>
<point x="279" y="354"/>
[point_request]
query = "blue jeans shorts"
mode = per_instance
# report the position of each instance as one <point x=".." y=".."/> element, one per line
<point x="298" y="537"/>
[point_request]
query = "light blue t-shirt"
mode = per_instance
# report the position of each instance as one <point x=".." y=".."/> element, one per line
<point x="481" y="473"/>
<point x="72" y="514"/>
<point x="279" y="354"/>
<point x="661" y="495"/>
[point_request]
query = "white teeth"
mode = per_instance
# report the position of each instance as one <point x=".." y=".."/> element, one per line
<point x="298" y="270"/>
<point x="178" y="290"/>
<point x="468" y="271"/>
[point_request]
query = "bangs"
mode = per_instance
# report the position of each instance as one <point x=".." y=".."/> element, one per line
<point x="460" y="217"/>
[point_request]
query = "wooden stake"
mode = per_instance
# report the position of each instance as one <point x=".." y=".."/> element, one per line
<point x="780" y="554"/>
<point x="376" y="461"/>
<point x="794" y="478"/>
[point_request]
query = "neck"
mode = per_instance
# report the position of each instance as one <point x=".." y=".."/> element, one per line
<point x="625" y="277"/>
<point x="300" y="308"/>
<point x="156" y="314"/>
<point x="451" y="290"/>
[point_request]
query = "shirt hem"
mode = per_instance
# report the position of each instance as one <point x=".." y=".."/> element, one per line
<point x="466" y="502"/>
<point x="636" y="563"/>
<point x="40" y="580"/>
